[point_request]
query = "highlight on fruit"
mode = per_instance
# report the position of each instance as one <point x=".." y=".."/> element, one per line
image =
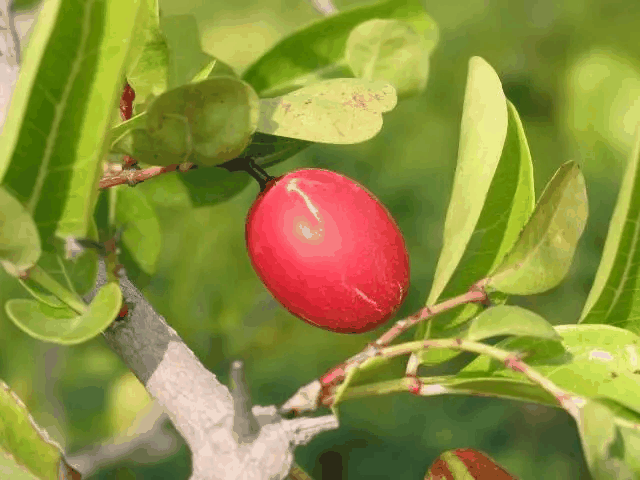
<point x="328" y="250"/>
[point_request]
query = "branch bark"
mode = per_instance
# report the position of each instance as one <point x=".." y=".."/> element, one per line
<point x="200" y="407"/>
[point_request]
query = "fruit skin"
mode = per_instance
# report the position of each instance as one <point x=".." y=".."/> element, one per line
<point x="466" y="464"/>
<point x="328" y="250"/>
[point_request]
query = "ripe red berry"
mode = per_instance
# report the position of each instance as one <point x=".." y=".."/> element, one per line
<point x="466" y="463"/>
<point x="328" y="250"/>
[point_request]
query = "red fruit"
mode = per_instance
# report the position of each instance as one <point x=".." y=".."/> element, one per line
<point x="328" y="251"/>
<point x="466" y="464"/>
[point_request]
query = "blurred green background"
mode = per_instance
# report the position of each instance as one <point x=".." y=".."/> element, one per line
<point x="572" y="69"/>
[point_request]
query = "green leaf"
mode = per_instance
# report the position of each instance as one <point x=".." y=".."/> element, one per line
<point x="69" y="85"/>
<point x="186" y="57"/>
<point x="541" y="257"/>
<point x="221" y="69"/>
<point x="269" y="150"/>
<point x="147" y="69"/>
<point x="40" y="293"/>
<point x="19" y="5"/>
<point x="167" y="191"/>
<point x="390" y="50"/>
<point x="142" y="234"/>
<point x="610" y="448"/>
<point x="613" y="296"/>
<point x="592" y="360"/>
<point x="507" y="388"/>
<point x="63" y="325"/>
<point x="19" y="239"/>
<point x="490" y="203"/>
<point x="597" y="433"/>
<point x="340" y="111"/>
<point x="317" y="51"/>
<point x="195" y="188"/>
<point x="485" y="120"/>
<point x="210" y="186"/>
<point x="78" y="274"/>
<point x="26" y="450"/>
<point x="510" y="320"/>
<point x="206" y="123"/>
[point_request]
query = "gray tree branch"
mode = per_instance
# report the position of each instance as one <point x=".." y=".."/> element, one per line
<point x="201" y="408"/>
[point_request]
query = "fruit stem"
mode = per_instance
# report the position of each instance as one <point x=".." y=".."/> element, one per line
<point x="257" y="172"/>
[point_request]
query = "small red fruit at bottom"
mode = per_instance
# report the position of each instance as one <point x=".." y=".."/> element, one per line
<point x="328" y="251"/>
<point x="467" y="464"/>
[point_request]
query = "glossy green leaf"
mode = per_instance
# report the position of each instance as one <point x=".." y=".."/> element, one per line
<point x="614" y="296"/>
<point x="26" y="450"/>
<point x="63" y="325"/>
<point x="19" y="5"/>
<point x="541" y="257"/>
<point x="501" y="206"/>
<point x="269" y="150"/>
<point x="339" y="111"/>
<point x="149" y="79"/>
<point x="507" y="388"/>
<point x="390" y="50"/>
<point x="19" y="239"/>
<point x="209" y="186"/>
<point x="597" y="433"/>
<point x="317" y="51"/>
<point x="510" y="320"/>
<point x="77" y="274"/>
<point x="69" y="84"/>
<point x="142" y="234"/>
<point x="186" y="57"/>
<point x="485" y="120"/>
<point x="222" y="69"/>
<point x="167" y="191"/>
<point x="146" y="69"/>
<point x="592" y="360"/>
<point x="41" y="294"/>
<point x="206" y="123"/>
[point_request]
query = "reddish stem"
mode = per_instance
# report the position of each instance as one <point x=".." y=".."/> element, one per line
<point x="336" y="375"/>
<point x="133" y="177"/>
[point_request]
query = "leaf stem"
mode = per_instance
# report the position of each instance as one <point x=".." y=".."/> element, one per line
<point x="320" y="391"/>
<point x="567" y="400"/>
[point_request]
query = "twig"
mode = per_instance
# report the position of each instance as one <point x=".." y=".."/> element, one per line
<point x="513" y="361"/>
<point x="116" y="175"/>
<point x="150" y="439"/>
<point x="245" y="425"/>
<point x="320" y="391"/>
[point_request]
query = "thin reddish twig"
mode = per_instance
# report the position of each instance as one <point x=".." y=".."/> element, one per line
<point x="321" y="391"/>
<point x="133" y="177"/>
